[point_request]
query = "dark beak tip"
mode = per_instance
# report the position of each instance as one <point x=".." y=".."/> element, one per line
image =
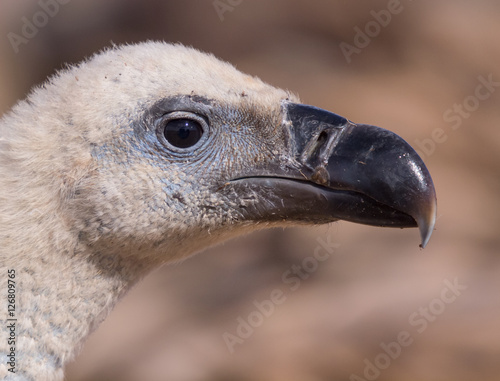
<point x="426" y="220"/>
<point x="420" y="203"/>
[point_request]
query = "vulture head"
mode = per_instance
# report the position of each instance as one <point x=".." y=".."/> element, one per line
<point x="147" y="153"/>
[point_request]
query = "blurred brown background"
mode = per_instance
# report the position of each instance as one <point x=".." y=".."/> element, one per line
<point x="422" y="74"/>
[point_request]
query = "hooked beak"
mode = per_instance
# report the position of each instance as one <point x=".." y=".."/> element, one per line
<point x="345" y="171"/>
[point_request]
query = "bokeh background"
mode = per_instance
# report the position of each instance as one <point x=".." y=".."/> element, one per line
<point x="411" y="76"/>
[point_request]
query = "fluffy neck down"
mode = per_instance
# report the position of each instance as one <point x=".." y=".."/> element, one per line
<point x="63" y="291"/>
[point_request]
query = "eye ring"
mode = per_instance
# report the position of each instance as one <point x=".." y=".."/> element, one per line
<point x="182" y="131"/>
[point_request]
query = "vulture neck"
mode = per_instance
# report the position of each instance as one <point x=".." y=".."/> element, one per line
<point x="64" y="289"/>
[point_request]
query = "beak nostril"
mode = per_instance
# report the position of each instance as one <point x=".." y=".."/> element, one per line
<point x="319" y="148"/>
<point x="323" y="136"/>
<point x="314" y="148"/>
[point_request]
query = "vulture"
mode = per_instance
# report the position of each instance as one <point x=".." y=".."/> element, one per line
<point x="147" y="153"/>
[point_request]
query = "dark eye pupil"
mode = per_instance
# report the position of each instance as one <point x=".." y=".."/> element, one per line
<point x="183" y="133"/>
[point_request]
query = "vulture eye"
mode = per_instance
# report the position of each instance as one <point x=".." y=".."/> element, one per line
<point x="183" y="133"/>
<point x="182" y="129"/>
